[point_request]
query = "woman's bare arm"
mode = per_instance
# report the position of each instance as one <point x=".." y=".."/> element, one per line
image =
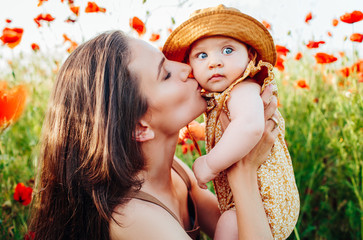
<point x="242" y="176"/>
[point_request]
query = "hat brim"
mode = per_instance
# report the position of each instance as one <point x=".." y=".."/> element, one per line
<point x="229" y="23"/>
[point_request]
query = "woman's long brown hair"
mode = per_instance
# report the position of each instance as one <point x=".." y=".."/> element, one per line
<point x="89" y="157"/>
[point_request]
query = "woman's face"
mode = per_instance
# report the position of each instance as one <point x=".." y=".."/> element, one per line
<point x="174" y="99"/>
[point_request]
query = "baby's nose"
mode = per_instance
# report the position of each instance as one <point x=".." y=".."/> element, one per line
<point x="215" y="63"/>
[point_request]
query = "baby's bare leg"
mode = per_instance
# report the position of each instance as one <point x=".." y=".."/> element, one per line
<point x="227" y="227"/>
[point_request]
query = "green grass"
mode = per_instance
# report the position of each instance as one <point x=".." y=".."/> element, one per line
<point x="323" y="130"/>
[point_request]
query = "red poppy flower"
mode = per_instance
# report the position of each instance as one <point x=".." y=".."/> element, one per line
<point x="356" y="37"/>
<point x="70" y="20"/>
<point x="280" y="63"/>
<point x="324" y="58"/>
<point x="93" y="7"/>
<point x="345" y="71"/>
<point x="196" y="129"/>
<point x="12" y="36"/>
<point x="137" y="25"/>
<point x="298" y="56"/>
<point x="73" y="46"/>
<point x="12" y="103"/>
<point x="40" y="3"/>
<point x="302" y="84"/>
<point x="8" y="20"/>
<point x="335" y="22"/>
<point x="358" y="66"/>
<point x="74" y="9"/>
<point x="23" y="194"/>
<point x="266" y="24"/>
<point x="281" y="50"/>
<point x="360" y="77"/>
<point x="154" y="37"/>
<point x="313" y="44"/>
<point x="35" y="47"/>
<point x="308" y="17"/>
<point x="43" y="17"/>
<point x="352" y="17"/>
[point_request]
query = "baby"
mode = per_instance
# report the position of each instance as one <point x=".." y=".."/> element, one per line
<point x="225" y="49"/>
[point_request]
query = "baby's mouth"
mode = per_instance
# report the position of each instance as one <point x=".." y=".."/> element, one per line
<point x="216" y="77"/>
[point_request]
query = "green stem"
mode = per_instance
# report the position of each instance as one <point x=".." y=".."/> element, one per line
<point x="296" y="234"/>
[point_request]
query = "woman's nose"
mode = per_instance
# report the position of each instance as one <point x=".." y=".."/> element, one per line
<point x="185" y="71"/>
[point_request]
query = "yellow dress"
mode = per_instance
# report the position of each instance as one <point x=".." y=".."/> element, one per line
<point x="276" y="178"/>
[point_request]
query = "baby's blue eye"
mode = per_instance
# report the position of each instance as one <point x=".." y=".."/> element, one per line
<point x="202" y="55"/>
<point x="227" y="50"/>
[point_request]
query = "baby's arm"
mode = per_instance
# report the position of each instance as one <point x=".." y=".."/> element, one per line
<point x="241" y="135"/>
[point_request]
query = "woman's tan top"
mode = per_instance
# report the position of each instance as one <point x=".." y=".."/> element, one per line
<point x="275" y="176"/>
<point x="193" y="233"/>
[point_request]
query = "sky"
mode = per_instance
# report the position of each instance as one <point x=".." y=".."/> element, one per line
<point x="285" y="16"/>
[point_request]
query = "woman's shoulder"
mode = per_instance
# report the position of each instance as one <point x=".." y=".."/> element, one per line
<point x="139" y="219"/>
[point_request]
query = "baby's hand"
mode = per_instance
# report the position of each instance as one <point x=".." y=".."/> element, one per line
<point x="203" y="172"/>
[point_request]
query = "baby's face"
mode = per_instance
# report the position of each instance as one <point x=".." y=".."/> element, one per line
<point x="217" y="62"/>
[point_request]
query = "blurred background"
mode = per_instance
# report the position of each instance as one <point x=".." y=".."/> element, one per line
<point x="319" y="74"/>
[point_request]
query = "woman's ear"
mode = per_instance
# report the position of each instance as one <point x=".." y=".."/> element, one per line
<point x="143" y="132"/>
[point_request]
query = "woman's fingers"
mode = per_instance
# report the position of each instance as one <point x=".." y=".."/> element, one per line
<point x="271" y="107"/>
<point x="266" y="95"/>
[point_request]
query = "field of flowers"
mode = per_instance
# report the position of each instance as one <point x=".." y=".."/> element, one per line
<point x="320" y="97"/>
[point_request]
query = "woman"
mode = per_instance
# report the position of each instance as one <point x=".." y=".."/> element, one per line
<point x="107" y="165"/>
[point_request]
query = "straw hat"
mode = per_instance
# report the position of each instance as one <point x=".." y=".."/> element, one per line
<point x="220" y="20"/>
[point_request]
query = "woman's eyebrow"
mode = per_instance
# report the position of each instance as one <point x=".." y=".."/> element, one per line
<point x="161" y="65"/>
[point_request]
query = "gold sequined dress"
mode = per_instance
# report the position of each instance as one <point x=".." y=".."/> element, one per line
<point x="276" y="179"/>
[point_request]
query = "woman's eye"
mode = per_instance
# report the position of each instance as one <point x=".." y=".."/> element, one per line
<point x="202" y="55"/>
<point x="168" y="75"/>
<point x="227" y="50"/>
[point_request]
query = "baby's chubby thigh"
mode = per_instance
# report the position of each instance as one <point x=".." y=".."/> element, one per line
<point x="227" y="227"/>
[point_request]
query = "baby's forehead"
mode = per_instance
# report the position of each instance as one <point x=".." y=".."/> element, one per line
<point x="217" y="39"/>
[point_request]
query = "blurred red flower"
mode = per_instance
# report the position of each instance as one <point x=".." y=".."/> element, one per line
<point x="154" y="37"/>
<point x="196" y="129"/>
<point x="23" y="194"/>
<point x="280" y="63"/>
<point x="93" y="7"/>
<point x="308" y="17"/>
<point x="137" y="25"/>
<point x="345" y="71"/>
<point x="12" y="103"/>
<point x="70" y="20"/>
<point x="302" y="84"/>
<point x="73" y="46"/>
<point x="43" y="17"/>
<point x="40" y="3"/>
<point x="298" y="56"/>
<point x="313" y="44"/>
<point x="360" y="77"/>
<point x="358" y="66"/>
<point x="74" y="9"/>
<point x="356" y="37"/>
<point x="12" y="36"/>
<point x="324" y="58"/>
<point x="8" y="20"/>
<point x="335" y="22"/>
<point x="352" y="17"/>
<point x="35" y="47"/>
<point x="266" y="24"/>
<point x="281" y="50"/>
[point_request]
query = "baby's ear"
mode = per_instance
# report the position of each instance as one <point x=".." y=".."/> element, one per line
<point x="143" y="132"/>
